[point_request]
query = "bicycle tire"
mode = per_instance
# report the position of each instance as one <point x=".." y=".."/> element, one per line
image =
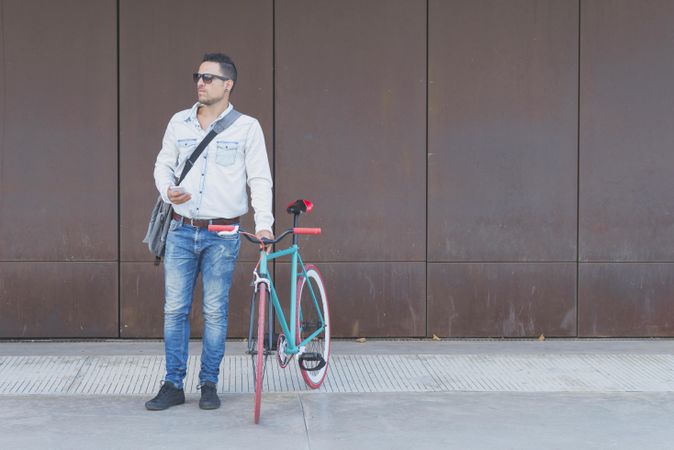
<point x="306" y="314"/>
<point x="259" y="365"/>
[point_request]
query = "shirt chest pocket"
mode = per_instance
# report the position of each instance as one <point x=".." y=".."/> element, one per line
<point x="185" y="148"/>
<point x="226" y="152"/>
<point x="185" y="145"/>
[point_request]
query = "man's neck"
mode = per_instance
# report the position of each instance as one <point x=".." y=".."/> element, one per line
<point x="208" y="113"/>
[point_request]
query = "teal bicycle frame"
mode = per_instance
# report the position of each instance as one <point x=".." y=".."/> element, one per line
<point x="293" y="330"/>
<point x="292" y="347"/>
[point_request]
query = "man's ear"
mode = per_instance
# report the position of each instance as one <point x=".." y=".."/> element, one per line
<point x="229" y="84"/>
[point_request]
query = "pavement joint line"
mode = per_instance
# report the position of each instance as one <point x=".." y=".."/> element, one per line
<point x="76" y="377"/>
<point x="304" y="418"/>
<point x="432" y="373"/>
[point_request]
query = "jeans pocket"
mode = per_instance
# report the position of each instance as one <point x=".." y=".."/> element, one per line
<point x="228" y="237"/>
<point x="226" y="153"/>
<point x="174" y="225"/>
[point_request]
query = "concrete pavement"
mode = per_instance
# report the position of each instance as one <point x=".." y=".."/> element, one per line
<point x="469" y="395"/>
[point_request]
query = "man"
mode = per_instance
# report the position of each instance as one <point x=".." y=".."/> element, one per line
<point x="214" y="191"/>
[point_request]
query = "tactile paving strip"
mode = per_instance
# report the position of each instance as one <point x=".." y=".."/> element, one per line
<point x="135" y="375"/>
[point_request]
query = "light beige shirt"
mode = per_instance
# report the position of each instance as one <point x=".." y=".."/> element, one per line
<point x="218" y="179"/>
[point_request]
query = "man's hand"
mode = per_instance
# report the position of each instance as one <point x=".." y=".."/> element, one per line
<point x="265" y="234"/>
<point x="177" y="197"/>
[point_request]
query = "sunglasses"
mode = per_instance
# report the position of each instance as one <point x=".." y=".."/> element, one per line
<point x="207" y="77"/>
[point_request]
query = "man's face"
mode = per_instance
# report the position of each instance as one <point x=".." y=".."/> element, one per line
<point x="213" y="92"/>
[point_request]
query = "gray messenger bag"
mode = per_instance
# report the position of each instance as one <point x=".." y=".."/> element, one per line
<point x="160" y="218"/>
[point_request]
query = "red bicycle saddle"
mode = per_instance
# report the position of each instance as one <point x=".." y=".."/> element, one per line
<point x="300" y="206"/>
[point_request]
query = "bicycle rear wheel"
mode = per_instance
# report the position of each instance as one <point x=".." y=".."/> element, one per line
<point x="309" y="315"/>
<point x="260" y="357"/>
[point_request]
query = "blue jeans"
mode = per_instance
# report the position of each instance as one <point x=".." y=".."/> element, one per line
<point x="190" y="250"/>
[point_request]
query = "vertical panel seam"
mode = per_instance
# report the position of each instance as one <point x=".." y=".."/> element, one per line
<point x="578" y="180"/>
<point x="119" y="221"/>
<point x="273" y="123"/>
<point x="427" y="161"/>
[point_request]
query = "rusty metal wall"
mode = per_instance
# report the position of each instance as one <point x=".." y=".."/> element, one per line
<point x="479" y="168"/>
<point x="502" y="167"/>
<point x="350" y="136"/>
<point x="58" y="169"/>
<point x="626" y="204"/>
<point x="161" y="45"/>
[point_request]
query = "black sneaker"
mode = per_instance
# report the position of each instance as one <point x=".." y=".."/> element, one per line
<point x="168" y="396"/>
<point x="209" y="396"/>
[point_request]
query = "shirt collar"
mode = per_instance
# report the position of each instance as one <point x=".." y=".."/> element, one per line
<point x="193" y="113"/>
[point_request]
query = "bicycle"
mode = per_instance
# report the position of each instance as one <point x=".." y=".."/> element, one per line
<point x="307" y="334"/>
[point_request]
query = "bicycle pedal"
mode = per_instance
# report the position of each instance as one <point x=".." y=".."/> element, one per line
<point x="311" y="357"/>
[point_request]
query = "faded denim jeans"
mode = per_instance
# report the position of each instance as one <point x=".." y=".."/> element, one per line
<point x="190" y="250"/>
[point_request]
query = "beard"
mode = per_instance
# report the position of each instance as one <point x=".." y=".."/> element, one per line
<point x="211" y="100"/>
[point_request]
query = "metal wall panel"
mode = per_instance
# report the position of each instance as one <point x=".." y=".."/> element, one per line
<point x="350" y="121"/>
<point x="58" y="152"/>
<point x="501" y="299"/>
<point x="370" y="299"/>
<point x="58" y="300"/>
<point x="627" y="299"/>
<point x="626" y="132"/>
<point x="502" y="130"/>
<point x="161" y="45"/>
<point x="142" y="301"/>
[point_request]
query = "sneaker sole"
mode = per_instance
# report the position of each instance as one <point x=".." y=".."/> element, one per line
<point x="208" y="406"/>
<point x="155" y="408"/>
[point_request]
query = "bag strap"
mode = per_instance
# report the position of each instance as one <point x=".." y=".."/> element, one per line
<point x="220" y="126"/>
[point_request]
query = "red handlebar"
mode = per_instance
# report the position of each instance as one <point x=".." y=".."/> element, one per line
<point x="216" y="228"/>
<point x="307" y="230"/>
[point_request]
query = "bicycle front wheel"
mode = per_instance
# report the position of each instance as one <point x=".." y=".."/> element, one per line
<point x="260" y="355"/>
<point x="313" y="315"/>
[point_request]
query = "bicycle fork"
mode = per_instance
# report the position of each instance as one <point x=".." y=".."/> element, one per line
<point x="269" y="336"/>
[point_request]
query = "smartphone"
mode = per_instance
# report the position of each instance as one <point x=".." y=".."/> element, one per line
<point x="178" y="190"/>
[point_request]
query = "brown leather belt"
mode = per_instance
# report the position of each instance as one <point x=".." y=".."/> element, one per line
<point x="204" y="223"/>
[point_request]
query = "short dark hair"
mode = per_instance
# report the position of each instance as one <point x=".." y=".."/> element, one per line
<point x="226" y="64"/>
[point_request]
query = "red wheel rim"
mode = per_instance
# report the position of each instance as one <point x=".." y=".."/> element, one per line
<point x="301" y="280"/>
<point x="259" y="366"/>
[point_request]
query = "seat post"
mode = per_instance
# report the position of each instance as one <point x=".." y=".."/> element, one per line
<point x="295" y="217"/>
